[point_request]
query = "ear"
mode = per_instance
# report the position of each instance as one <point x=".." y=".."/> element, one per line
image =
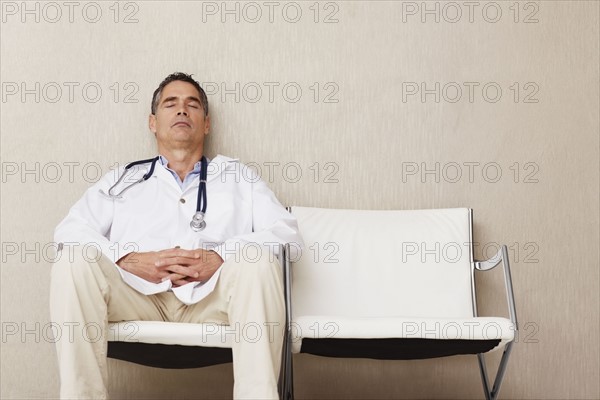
<point x="206" y="124"/>
<point x="152" y="123"/>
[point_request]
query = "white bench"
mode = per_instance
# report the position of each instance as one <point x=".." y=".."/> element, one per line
<point x="374" y="284"/>
<point x="391" y="285"/>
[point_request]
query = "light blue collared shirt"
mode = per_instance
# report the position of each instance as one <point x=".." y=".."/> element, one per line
<point x="193" y="174"/>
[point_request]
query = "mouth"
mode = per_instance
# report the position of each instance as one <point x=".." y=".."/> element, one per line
<point x="181" y="123"/>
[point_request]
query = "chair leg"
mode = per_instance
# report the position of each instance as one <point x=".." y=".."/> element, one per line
<point x="289" y="374"/>
<point x="290" y="387"/>
<point x="281" y="382"/>
<point x="283" y="374"/>
<point x="493" y="394"/>
<point x="286" y="376"/>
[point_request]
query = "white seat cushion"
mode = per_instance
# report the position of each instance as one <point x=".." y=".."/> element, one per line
<point x="332" y="327"/>
<point x="185" y="334"/>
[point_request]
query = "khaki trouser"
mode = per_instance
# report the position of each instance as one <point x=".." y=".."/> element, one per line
<point x="89" y="291"/>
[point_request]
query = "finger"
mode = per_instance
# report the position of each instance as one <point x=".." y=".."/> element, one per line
<point x="162" y="262"/>
<point x="172" y="277"/>
<point x="163" y="276"/>
<point x="180" y="253"/>
<point x="182" y="270"/>
<point x="170" y="253"/>
<point x="180" y="282"/>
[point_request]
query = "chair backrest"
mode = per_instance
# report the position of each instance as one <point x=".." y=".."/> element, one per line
<point x="360" y="263"/>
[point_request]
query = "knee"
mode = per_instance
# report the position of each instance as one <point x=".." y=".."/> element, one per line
<point x="75" y="262"/>
<point x="259" y="261"/>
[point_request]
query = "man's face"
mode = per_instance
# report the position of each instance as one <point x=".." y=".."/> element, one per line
<point x="179" y="122"/>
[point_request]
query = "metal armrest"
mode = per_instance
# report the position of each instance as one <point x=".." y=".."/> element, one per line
<point x="502" y="256"/>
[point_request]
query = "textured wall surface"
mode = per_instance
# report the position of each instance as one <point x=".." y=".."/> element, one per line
<point x="376" y="105"/>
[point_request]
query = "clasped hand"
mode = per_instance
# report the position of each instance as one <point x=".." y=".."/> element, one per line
<point x="180" y="266"/>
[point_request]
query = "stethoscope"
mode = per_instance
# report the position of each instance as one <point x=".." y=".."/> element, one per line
<point x="197" y="223"/>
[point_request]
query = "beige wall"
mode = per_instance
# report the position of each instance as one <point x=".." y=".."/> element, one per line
<point x="544" y="143"/>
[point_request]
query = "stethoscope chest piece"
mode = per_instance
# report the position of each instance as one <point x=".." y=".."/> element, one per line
<point x="197" y="223"/>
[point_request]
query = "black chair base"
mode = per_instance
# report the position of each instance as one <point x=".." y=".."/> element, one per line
<point x="395" y="348"/>
<point x="169" y="356"/>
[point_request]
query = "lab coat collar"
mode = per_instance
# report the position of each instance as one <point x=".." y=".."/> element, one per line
<point x="216" y="167"/>
<point x="161" y="172"/>
<point x="219" y="164"/>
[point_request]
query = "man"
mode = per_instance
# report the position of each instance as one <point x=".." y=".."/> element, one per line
<point x="154" y="265"/>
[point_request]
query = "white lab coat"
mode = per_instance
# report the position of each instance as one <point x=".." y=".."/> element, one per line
<point x="155" y="215"/>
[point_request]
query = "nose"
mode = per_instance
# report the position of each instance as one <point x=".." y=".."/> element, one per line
<point x="182" y="112"/>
